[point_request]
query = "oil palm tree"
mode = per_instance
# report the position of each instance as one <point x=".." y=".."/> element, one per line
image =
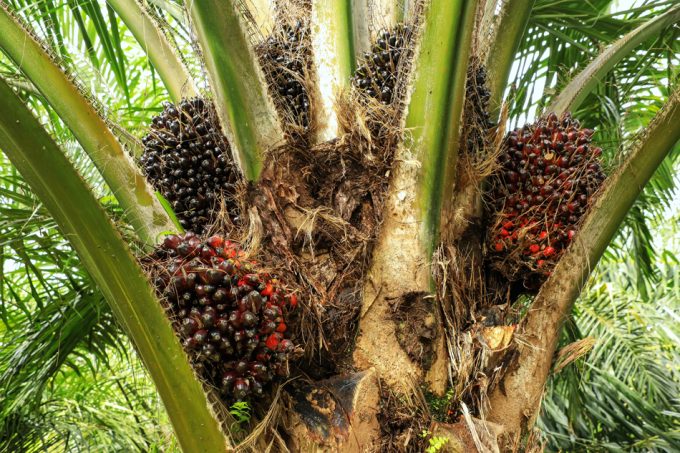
<point x="370" y="204"/>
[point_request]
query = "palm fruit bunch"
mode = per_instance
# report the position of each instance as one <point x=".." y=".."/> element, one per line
<point x="230" y="315"/>
<point x="285" y="58"/>
<point x="377" y="76"/>
<point x="188" y="160"/>
<point x="548" y="174"/>
<point x="477" y="119"/>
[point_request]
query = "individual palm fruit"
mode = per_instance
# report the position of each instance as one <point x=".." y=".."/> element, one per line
<point x="230" y="314"/>
<point x="548" y="175"/>
<point x="188" y="160"/>
<point x="377" y="76"/>
<point x="285" y="59"/>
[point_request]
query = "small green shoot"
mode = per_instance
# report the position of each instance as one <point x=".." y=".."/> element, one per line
<point x="435" y="443"/>
<point x="440" y="406"/>
<point x="240" y="410"/>
<point x="168" y="209"/>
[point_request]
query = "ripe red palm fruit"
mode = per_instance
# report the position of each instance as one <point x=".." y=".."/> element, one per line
<point x="230" y="314"/>
<point x="548" y="173"/>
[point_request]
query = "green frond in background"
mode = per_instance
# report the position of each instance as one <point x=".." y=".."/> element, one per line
<point x="68" y="376"/>
<point x="624" y="394"/>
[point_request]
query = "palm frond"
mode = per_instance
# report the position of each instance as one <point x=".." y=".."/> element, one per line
<point x="133" y="192"/>
<point x="112" y="406"/>
<point x="624" y="396"/>
<point x="109" y="260"/>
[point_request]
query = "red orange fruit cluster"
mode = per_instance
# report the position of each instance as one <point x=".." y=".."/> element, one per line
<point x="230" y="315"/>
<point x="548" y="174"/>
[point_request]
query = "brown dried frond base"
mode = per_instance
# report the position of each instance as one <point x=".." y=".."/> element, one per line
<point x="317" y="211"/>
<point x="416" y="319"/>
<point x="373" y="127"/>
<point x="478" y="328"/>
<point x="403" y="420"/>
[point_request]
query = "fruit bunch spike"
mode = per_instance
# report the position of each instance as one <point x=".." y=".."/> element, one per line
<point x="188" y="160"/>
<point x="477" y="120"/>
<point x="549" y="172"/>
<point x="285" y="59"/>
<point x="230" y="315"/>
<point x="377" y="76"/>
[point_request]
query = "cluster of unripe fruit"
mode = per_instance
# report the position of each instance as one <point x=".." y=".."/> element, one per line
<point x="285" y="59"/>
<point x="477" y="119"/>
<point x="377" y="76"/>
<point x="548" y="174"/>
<point x="230" y="314"/>
<point x="188" y="160"/>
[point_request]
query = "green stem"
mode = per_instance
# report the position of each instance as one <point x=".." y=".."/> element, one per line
<point x="361" y="35"/>
<point x="172" y="71"/>
<point x="263" y="15"/>
<point x="135" y="196"/>
<point x="434" y="111"/>
<point x="246" y="111"/>
<point x="107" y="258"/>
<point x="571" y="96"/>
<point x="517" y="404"/>
<point x="509" y="29"/>
<point x="334" y="55"/>
<point x="388" y="13"/>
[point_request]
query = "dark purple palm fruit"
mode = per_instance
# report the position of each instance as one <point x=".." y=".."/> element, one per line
<point x="477" y="121"/>
<point x="285" y="58"/>
<point x="548" y="175"/>
<point x="188" y="160"/>
<point x="376" y="77"/>
<point x="230" y="315"/>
